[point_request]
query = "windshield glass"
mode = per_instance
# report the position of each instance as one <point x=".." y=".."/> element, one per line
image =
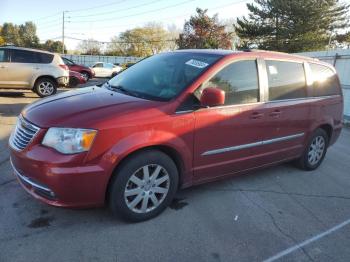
<point x="163" y="76"/>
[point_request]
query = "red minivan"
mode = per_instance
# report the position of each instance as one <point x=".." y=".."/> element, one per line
<point x="175" y="120"/>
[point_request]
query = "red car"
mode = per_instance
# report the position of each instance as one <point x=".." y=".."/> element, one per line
<point x="76" y="78"/>
<point x="175" y="120"/>
<point x="85" y="71"/>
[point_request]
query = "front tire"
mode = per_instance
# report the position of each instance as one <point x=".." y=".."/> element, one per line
<point x="143" y="186"/>
<point x="315" y="151"/>
<point x="45" y="87"/>
<point x="85" y="75"/>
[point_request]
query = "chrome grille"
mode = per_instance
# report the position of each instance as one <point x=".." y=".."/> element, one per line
<point x="23" y="134"/>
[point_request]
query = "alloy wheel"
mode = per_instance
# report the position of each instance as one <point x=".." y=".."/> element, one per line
<point x="316" y="150"/>
<point x="147" y="188"/>
<point x="46" y="88"/>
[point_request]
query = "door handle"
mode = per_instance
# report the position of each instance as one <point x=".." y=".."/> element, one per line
<point x="36" y="68"/>
<point x="275" y="113"/>
<point x="3" y="66"/>
<point x="256" y="115"/>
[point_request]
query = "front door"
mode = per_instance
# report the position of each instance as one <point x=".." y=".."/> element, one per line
<point x="225" y="137"/>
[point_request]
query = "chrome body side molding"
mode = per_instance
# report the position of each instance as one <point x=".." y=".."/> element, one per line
<point x="245" y="146"/>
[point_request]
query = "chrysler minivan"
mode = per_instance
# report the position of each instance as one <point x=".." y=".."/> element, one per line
<point x="175" y="120"/>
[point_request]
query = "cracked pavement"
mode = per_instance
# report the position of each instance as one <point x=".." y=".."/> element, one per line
<point x="245" y="218"/>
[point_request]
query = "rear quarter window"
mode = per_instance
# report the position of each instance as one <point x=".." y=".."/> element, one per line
<point x="325" y="81"/>
<point x="286" y="80"/>
<point x="4" y="55"/>
<point x="45" y="58"/>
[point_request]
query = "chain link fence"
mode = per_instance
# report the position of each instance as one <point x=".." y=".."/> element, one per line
<point x="88" y="60"/>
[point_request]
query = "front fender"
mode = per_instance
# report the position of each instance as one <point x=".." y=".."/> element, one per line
<point x="141" y="140"/>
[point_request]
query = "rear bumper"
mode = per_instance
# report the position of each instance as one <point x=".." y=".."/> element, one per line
<point x="62" y="81"/>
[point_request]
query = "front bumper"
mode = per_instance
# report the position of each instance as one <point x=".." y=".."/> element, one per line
<point x="59" y="180"/>
<point x="63" y="80"/>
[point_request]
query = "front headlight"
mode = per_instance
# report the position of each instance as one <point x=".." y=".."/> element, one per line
<point x="69" y="140"/>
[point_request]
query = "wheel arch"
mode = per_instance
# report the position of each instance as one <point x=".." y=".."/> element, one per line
<point x="44" y="76"/>
<point x="168" y="150"/>
<point x="329" y="130"/>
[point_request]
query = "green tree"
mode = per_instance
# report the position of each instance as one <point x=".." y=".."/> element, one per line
<point x="27" y="33"/>
<point x="53" y="46"/>
<point x="10" y="34"/>
<point x="141" y="41"/>
<point x="343" y="39"/>
<point x="202" y="31"/>
<point x="291" y="26"/>
<point x="20" y="35"/>
<point x="90" y="47"/>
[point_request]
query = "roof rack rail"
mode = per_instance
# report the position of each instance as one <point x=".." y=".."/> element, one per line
<point x="5" y="45"/>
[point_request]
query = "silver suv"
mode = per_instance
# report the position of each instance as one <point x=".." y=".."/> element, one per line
<point x="37" y="70"/>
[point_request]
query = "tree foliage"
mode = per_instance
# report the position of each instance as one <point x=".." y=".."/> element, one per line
<point x="90" y="47"/>
<point x="292" y="26"/>
<point x="202" y="31"/>
<point x="53" y="46"/>
<point x="20" y="35"/>
<point x="141" y="41"/>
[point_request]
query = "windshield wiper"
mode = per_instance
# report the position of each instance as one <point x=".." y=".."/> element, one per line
<point x="123" y="90"/>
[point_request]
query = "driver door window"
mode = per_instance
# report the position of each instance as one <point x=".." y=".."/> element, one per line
<point x="240" y="82"/>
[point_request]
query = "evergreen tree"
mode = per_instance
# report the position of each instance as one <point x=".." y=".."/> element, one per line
<point x="292" y="26"/>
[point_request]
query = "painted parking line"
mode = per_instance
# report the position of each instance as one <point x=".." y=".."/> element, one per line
<point x="306" y="242"/>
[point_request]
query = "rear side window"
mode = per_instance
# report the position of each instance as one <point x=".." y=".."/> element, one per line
<point x="4" y="55"/>
<point x="239" y="80"/>
<point x="24" y="56"/>
<point x="286" y="80"/>
<point x="325" y="81"/>
<point x="45" y="58"/>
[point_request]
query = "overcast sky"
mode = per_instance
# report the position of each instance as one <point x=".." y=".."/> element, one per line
<point x="104" y="19"/>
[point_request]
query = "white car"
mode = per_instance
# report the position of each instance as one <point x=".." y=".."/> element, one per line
<point x="106" y="69"/>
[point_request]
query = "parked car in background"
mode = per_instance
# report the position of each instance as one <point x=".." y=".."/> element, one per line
<point x="106" y="69"/>
<point x="33" y="69"/>
<point x="76" y="78"/>
<point x="174" y="120"/>
<point x="86" y="72"/>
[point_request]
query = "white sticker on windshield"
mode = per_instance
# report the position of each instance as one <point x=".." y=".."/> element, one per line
<point x="196" y="63"/>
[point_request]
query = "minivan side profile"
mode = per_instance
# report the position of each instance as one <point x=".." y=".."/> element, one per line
<point x="175" y="120"/>
<point x="25" y="68"/>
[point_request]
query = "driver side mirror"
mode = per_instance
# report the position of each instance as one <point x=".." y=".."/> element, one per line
<point x="212" y="96"/>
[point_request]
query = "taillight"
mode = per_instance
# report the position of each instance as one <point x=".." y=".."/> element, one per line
<point x="64" y="67"/>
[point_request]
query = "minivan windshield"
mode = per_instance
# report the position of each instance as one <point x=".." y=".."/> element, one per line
<point x="162" y="77"/>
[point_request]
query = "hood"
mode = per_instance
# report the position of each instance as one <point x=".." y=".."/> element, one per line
<point x="81" y="108"/>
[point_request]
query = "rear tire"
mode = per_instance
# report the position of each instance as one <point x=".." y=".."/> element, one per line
<point x="45" y="87"/>
<point x="315" y="151"/>
<point x="73" y="82"/>
<point x="143" y="186"/>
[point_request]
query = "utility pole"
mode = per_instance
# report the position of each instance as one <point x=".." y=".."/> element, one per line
<point x="63" y="31"/>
